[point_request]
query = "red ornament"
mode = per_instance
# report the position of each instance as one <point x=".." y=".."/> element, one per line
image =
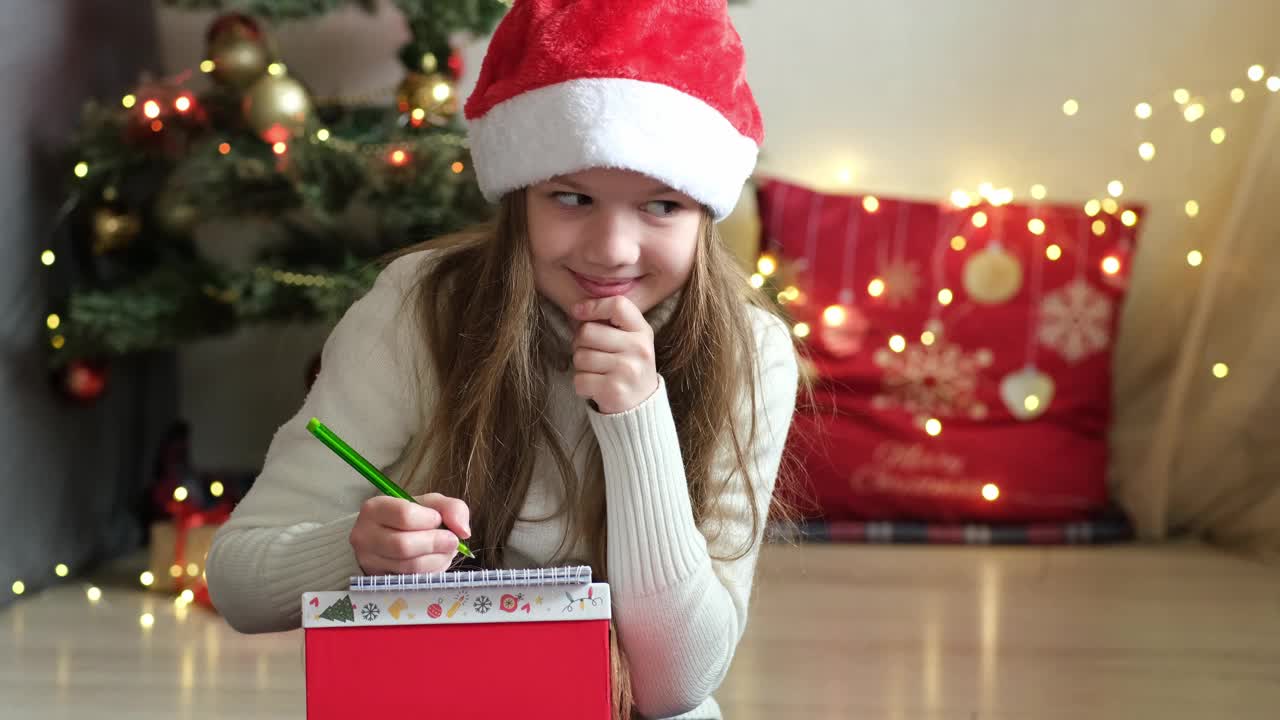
<point x="84" y="381"/>
<point x="232" y="25"/>
<point x="434" y="610"/>
<point x="455" y="64"/>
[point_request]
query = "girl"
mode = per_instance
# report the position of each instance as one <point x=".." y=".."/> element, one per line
<point x="588" y="379"/>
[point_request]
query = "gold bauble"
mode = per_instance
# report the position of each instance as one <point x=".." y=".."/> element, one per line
<point x="992" y="276"/>
<point x="434" y="95"/>
<point x="113" y="230"/>
<point x="277" y="108"/>
<point x="238" y="62"/>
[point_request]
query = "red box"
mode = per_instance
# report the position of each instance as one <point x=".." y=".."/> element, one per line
<point x="459" y="652"/>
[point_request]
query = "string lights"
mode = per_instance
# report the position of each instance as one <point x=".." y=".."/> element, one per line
<point x="1106" y="212"/>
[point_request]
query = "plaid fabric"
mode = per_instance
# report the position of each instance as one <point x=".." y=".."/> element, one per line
<point x="1092" y="532"/>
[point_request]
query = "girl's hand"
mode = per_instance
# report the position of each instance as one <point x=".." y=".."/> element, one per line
<point x="393" y="536"/>
<point x="613" y="354"/>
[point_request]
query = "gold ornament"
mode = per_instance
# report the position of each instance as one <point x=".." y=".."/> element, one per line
<point x="992" y="276"/>
<point x="277" y="108"/>
<point x="239" y="61"/>
<point x="113" y="230"/>
<point x="431" y="97"/>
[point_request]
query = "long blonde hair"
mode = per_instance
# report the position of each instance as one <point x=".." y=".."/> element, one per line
<point x="478" y="309"/>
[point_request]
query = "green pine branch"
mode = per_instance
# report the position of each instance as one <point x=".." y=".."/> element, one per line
<point x="161" y="310"/>
<point x="178" y="303"/>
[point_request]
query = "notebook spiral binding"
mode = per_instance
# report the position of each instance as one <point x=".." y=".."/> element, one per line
<point x="570" y="575"/>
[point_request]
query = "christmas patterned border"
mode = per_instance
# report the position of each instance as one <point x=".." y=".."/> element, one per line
<point x="1091" y="532"/>
<point x="448" y="606"/>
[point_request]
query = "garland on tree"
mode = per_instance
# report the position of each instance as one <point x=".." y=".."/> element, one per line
<point x="340" y="611"/>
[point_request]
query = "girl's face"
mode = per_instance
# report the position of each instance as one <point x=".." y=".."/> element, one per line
<point x="605" y="232"/>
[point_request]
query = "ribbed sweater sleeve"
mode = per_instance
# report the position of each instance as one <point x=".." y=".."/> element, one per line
<point x="679" y="611"/>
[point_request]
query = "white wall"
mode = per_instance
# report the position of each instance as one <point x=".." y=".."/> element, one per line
<point x="912" y="97"/>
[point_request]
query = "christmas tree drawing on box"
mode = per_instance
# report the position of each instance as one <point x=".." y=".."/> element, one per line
<point x="342" y="610"/>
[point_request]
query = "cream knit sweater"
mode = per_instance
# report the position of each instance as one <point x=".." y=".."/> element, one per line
<point x="679" y="613"/>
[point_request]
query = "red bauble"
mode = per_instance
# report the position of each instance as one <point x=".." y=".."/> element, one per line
<point x="84" y="381"/>
<point x="232" y="25"/>
<point x="434" y="610"/>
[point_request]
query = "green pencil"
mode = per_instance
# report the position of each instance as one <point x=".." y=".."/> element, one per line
<point x="366" y="468"/>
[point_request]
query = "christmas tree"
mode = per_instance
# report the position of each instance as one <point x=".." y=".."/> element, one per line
<point x="327" y="188"/>
<point x="340" y="611"/>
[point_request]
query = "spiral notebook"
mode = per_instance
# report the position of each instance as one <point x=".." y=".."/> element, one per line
<point x="466" y="643"/>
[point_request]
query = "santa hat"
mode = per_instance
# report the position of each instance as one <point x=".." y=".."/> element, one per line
<point x="654" y="86"/>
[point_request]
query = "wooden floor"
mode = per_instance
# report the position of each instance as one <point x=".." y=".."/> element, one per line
<point x="1167" y="633"/>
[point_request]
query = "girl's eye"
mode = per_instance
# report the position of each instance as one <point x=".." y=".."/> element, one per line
<point x="663" y="208"/>
<point x="571" y="199"/>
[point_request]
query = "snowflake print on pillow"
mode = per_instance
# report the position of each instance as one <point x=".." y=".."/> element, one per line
<point x="1075" y="321"/>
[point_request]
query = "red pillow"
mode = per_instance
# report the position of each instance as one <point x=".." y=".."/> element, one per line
<point x="963" y="355"/>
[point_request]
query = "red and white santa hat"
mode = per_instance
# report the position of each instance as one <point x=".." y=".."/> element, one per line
<point x="654" y="86"/>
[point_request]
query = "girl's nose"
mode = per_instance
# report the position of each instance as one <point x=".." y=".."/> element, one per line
<point x="613" y="241"/>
